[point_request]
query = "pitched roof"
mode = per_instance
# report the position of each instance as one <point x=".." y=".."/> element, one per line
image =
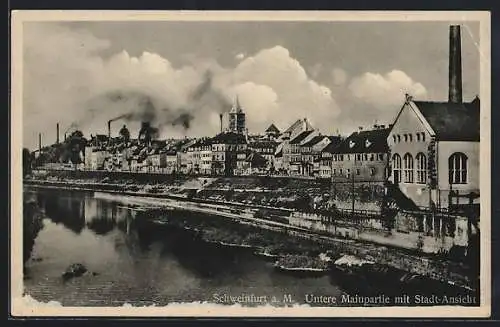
<point x="335" y="141"/>
<point x="299" y="138"/>
<point x="372" y="141"/>
<point x="297" y="123"/>
<point x="263" y="144"/>
<point x="272" y="129"/>
<point x="315" y="140"/>
<point x="452" y="121"/>
<point x="229" y="138"/>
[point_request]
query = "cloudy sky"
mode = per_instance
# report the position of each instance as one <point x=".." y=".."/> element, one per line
<point x="340" y="75"/>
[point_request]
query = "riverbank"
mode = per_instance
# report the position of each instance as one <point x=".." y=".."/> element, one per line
<point x="434" y="268"/>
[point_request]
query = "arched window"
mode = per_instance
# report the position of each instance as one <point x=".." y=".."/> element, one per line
<point x="399" y="138"/>
<point x="408" y="168"/>
<point x="418" y="136"/>
<point x="421" y="168"/>
<point x="406" y="137"/>
<point x="410" y="137"/>
<point x="423" y="136"/>
<point x="394" y="138"/>
<point x="396" y="168"/>
<point x="457" y="168"/>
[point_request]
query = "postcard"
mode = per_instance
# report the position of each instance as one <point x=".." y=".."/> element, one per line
<point x="250" y="164"/>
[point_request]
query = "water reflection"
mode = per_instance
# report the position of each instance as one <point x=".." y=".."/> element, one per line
<point x="139" y="262"/>
<point x="142" y="262"/>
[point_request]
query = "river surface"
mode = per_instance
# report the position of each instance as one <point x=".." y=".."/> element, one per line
<point x="143" y="264"/>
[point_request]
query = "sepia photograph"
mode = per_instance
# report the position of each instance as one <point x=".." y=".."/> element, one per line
<point x="250" y="164"/>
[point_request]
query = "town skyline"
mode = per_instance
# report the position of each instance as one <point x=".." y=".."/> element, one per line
<point x="275" y="75"/>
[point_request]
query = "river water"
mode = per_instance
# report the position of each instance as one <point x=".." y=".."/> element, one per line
<point x="143" y="264"/>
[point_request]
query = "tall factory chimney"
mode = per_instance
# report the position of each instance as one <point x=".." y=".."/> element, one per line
<point x="57" y="131"/>
<point x="109" y="129"/>
<point x="455" y="66"/>
<point x="220" y="117"/>
<point x="39" y="143"/>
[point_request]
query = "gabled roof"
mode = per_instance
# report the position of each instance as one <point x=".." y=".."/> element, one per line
<point x="301" y="137"/>
<point x="452" y="121"/>
<point x="297" y="123"/>
<point x="315" y="140"/>
<point x="371" y="141"/>
<point x="273" y="129"/>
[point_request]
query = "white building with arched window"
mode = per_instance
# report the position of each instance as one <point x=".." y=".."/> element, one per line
<point x="434" y="148"/>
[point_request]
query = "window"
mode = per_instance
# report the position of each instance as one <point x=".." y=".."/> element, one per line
<point x="340" y="171"/>
<point x="408" y="167"/>
<point x="421" y="168"/>
<point x="406" y="137"/>
<point x="358" y="172"/>
<point x="410" y="137"/>
<point x="399" y="138"/>
<point x="457" y="165"/>
<point x="380" y="156"/>
<point x="396" y="167"/>
<point x="418" y="136"/>
<point x="334" y="171"/>
<point x="372" y="171"/>
<point x="394" y="138"/>
<point x="348" y="172"/>
<point x="372" y="157"/>
<point x="358" y="157"/>
<point x="423" y="136"/>
<point x="366" y="157"/>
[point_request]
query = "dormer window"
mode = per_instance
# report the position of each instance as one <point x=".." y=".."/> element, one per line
<point x="368" y="143"/>
<point x="352" y="144"/>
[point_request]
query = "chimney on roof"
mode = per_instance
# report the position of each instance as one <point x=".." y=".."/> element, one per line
<point x="360" y="128"/>
<point x="57" y="133"/>
<point x="455" y="66"/>
<point x="220" y="117"/>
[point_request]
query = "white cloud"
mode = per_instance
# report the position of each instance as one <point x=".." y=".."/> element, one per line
<point x="66" y="80"/>
<point x="384" y="91"/>
<point x="297" y="95"/>
<point x="339" y="76"/>
<point x="240" y="56"/>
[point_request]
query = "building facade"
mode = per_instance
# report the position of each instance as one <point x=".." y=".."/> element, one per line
<point x="435" y="151"/>
<point x="227" y="150"/>
<point x="362" y="157"/>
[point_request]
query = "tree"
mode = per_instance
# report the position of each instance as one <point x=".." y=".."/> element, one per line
<point x="74" y="147"/>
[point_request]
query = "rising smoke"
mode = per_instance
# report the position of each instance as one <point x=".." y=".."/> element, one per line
<point x="142" y="106"/>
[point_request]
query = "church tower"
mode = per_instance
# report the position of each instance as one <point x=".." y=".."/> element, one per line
<point x="237" y="118"/>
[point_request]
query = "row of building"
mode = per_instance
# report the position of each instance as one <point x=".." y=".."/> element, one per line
<point x="430" y="150"/>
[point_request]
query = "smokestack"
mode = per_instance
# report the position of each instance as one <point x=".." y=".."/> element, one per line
<point x="39" y="143"/>
<point x="109" y="129"/>
<point x="57" y="131"/>
<point x="455" y="66"/>
<point x="220" y="117"/>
